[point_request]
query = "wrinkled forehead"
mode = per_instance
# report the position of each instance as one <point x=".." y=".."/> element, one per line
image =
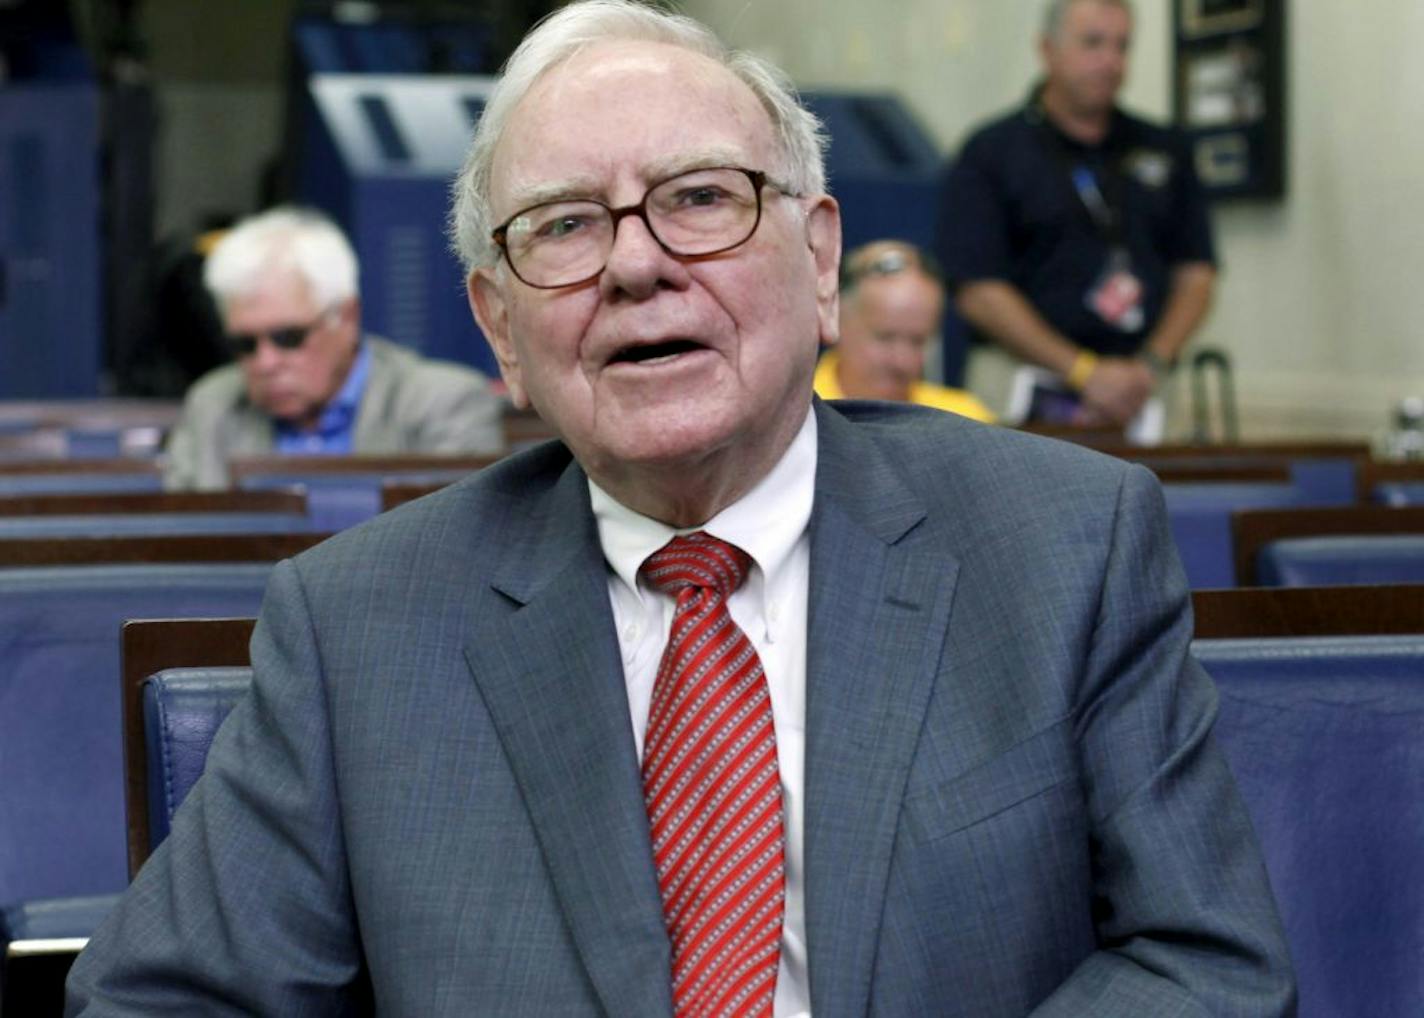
<point x="622" y="115"/>
<point x="910" y="292"/>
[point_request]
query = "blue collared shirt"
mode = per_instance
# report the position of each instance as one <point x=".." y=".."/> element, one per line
<point x="336" y="427"/>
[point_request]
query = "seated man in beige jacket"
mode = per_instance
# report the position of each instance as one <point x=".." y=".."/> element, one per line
<point x="306" y="379"/>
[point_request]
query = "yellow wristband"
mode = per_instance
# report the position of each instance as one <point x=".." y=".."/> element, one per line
<point x="1083" y="366"/>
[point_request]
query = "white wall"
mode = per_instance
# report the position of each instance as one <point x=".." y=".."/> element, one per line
<point x="1321" y="302"/>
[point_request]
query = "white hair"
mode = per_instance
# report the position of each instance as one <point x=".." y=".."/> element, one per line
<point x="286" y="238"/>
<point x="1054" y="13"/>
<point x="562" y="34"/>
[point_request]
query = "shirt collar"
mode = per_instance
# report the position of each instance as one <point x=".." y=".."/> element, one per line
<point x="340" y="411"/>
<point x="766" y="522"/>
<point x="1036" y="115"/>
<point x="338" y="414"/>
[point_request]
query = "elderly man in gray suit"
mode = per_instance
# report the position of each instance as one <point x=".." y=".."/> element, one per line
<point x="732" y="702"/>
<point x="306" y="380"/>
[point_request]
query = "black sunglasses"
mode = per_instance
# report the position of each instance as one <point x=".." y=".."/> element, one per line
<point x="244" y="344"/>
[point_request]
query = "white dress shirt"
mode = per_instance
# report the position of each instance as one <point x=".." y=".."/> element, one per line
<point x="770" y="524"/>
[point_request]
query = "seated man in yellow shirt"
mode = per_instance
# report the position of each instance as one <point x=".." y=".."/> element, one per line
<point x="892" y="303"/>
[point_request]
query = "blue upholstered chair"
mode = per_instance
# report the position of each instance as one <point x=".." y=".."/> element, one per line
<point x="1338" y="546"/>
<point x="1326" y="738"/>
<point x="1341" y="560"/>
<point x="182" y="711"/>
<point x="62" y="831"/>
<point x="39" y="938"/>
<point x="345" y="490"/>
<point x="1200" y="518"/>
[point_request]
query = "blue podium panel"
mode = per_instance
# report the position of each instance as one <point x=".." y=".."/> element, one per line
<point x="49" y="241"/>
<point x="380" y="153"/>
<point x="884" y="170"/>
<point x="882" y="167"/>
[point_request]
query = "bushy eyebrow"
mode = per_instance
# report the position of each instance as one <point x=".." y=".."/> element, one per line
<point x="585" y="188"/>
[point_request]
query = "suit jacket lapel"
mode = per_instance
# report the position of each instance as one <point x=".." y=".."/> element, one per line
<point x="879" y="608"/>
<point x="551" y="675"/>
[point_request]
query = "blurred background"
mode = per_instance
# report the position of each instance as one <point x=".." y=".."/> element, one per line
<point x="130" y="129"/>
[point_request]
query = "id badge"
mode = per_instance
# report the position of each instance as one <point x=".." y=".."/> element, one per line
<point x="1116" y="296"/>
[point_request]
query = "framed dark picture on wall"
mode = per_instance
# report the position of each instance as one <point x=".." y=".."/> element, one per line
<point x="1229" y="93"/>
<point x="1204" y="17"/>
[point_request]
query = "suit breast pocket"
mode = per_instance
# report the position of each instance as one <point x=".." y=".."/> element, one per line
<point x="1016" y="779"/>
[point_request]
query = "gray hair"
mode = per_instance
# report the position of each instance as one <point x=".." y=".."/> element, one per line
<point x="287" y="237"/>
<point x="564" y="33"/>
<point x="1054" y="13"/>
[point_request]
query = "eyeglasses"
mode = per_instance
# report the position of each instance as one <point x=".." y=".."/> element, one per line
<point x="692" y="215"/>
<point x="875" y="260"/>
<point x="244" y="344"/>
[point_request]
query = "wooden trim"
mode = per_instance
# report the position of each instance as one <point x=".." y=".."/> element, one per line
<point x="149" y="646"/>
<point x="55" y="551"/>
<point x="242" y="467"/>
<point x="1309" y="611"/>
<point x="524" y="428"/>
<point x="270" y="500"/>
<point x="1221" y="473"/>
<point x="1374" y="473"/>
<point x="1253" y="450"/>
<point x="394" y="493"/>
<point x="1253" y="529"/>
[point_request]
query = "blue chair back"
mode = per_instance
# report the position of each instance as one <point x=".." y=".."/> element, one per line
<point x="336" y="501"/>
<point x="182" y="711"/>
<point x="62" y="830"/>
<point x="153" y="524"/>
<point x="1200" y="518"/>
<point x="60" y="482"/>
<point x="1325" y="736"/>
<point x="1341" y="560"/>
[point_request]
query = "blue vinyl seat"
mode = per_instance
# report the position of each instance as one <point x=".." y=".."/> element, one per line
<point x="1340" y="560"/>
<point x="62" y="830"/>
<point x="182" y="711"/>
<point x="1325" y="736"/>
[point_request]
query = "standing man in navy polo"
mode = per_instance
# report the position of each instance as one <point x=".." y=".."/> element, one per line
<point x="1075" y="236"/>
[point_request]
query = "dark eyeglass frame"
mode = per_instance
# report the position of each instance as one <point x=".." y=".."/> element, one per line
<point x="758" y="179"/>
<point x="290" y="337"/>
<point x="894" y="260"/>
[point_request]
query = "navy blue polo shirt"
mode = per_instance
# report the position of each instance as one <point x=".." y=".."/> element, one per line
<point x="1010" y="211"/>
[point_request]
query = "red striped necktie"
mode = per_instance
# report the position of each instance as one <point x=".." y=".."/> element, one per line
<point x="713" y="789"/>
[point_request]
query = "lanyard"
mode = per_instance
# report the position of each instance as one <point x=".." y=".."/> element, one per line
<point x="1103" y="201"/>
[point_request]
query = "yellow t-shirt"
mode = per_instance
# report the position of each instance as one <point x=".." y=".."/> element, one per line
<point x="956" y="401"/>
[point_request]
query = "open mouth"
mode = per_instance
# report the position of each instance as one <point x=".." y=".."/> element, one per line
<point x="655" y="351"/>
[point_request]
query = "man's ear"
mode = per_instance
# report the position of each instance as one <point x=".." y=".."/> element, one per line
<point x="487" y="303"/>
<point x="823" y="235"/>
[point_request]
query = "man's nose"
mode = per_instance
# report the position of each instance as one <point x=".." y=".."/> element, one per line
<point x="637" y="264"/>
<point x="265" y="356"/>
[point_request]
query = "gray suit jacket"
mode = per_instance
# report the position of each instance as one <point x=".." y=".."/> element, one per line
<point x="432" y="800"/>
<point x="411" y="404"/>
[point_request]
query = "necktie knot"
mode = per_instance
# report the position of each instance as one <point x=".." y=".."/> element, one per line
<point x="697" y="560"/>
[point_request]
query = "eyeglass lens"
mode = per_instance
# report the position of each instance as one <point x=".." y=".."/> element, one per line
<point x="697" y="213"/>
<point x="293" y="336"/>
